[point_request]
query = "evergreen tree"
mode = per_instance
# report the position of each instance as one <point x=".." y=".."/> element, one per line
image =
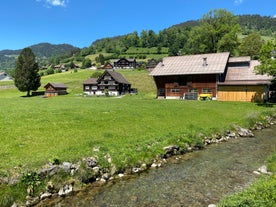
<point x="26" y="72"/>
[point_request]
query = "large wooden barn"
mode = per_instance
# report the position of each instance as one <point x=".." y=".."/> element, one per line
<point x="215" y="75"/>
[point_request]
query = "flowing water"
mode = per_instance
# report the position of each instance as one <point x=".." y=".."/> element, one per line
<point x="197" y="179"/>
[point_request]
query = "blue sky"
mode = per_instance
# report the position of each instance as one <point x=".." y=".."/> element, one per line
<point x="81" y="22"/>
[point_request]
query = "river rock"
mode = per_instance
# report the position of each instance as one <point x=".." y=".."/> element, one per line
<point x="66" y="166"/>
<point x="91" y="162"/>
<point x="171" y="149"/>
<point x="231" y="135"/>
<point x="50" y="188"/>
<point x="242" y="132"/>
<point x="48" y="170"/>
<point x="45" y="195"/>
<point x="135" y="170"/>
<point x="32" y="201"/>
<point x="65" y="190"/>
<point x="211" y="205"/>
<point x="106" y="176"/>
<point x="120" y="175"/>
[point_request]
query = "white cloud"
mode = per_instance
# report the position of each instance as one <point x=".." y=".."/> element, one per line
<point x="274" y="16"/>
<point x="57" y="2"/>
<point x="49" y="3"/>
<point x="237" y="2"/>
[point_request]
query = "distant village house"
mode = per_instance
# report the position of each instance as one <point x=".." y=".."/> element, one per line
<point x="4" y="76"/>
<point x="125" y="63"/>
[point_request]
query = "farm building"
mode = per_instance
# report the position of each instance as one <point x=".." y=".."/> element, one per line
<point x="125" y="63"/>
<point x="110" y="82"/>
<point x="54" y="89"/>
<point x="4" y="76"/>
<point x="216" y="76"/>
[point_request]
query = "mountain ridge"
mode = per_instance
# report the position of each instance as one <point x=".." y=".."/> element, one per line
<point x="42" y="51"/>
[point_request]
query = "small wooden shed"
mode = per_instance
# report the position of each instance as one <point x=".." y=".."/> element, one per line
<point x="55" y="89"/>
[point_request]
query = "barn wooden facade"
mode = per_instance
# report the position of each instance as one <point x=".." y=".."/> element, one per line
<point x="109" y="83"/>
<point x="54" y="89"/>
<point x="241" y="83"/>
<point x="216" y="75"/>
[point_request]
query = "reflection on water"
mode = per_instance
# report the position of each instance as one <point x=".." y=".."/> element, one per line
<point x="198" y="179"/>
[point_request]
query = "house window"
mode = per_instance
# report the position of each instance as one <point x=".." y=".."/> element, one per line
<point x="175" y="90"/>
<point x="206" y="90"/>
<point x="161" y="92"/>
<point x="94" y="88"/>
<point x="111" y="88"/>
<point x="111" y="82"/>
<point x="107" y="77"/>
<point x="87" y="88"/>
<point x="193" y="90"/>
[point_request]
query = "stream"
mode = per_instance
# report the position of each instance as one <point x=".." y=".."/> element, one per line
<point x="196" y="179"/>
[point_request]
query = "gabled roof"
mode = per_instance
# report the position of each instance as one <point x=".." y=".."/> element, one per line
<point x="116" y="76"/>
<point x="245" y="75"/>
<point x="239" y="59"/>
<point x="213" y="63"/>
<point x="129" y="60"/>
<point x="91" y="81"/>
<point x="56" y="85"/>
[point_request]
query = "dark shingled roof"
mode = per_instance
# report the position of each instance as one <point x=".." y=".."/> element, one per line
<point x="117" y="77"/>
<point x="56" y="85"/>
<point x="91" y="81"/>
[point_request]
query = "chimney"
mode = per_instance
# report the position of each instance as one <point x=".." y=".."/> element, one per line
<point x="204" y="61"/>
<point x="162" y="64"/>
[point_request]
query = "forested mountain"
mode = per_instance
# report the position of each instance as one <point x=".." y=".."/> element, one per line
<point x="178" y="39"/>
<point x="265" y="25"/>
<point x="42" y="51"/>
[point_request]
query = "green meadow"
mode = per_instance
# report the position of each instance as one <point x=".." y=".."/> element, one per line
<point x="131" y="129"/>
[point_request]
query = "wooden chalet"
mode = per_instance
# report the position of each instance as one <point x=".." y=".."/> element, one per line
<point x="107" y="66"/>
<point x="125" y="63"/>
<point x="54" y="89"/>
<point x="151" y="64"/>
<point x="216" y="75"/>
<point x="109" y="83"/>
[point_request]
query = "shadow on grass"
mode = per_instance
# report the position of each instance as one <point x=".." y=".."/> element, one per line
<point x="267" y="104"/>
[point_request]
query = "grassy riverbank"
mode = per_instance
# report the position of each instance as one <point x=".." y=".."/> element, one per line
<point x="131" y="129"/>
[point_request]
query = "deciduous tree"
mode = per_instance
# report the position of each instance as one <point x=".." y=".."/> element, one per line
<point x="268" y="59"/>
<point x="251" y="45"/>
<point x="217" y="33"/>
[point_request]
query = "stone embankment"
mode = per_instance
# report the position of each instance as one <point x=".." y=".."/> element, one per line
<point x="88" y="170"/>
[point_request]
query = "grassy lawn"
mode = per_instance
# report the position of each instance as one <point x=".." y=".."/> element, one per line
<point x="34" y="130"/>
<point x="131" y="129"/>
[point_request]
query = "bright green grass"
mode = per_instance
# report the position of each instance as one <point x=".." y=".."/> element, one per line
<point x="34" y="130"/>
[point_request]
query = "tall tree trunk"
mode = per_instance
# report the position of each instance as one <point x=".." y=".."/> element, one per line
<point x="28" y="93"/>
